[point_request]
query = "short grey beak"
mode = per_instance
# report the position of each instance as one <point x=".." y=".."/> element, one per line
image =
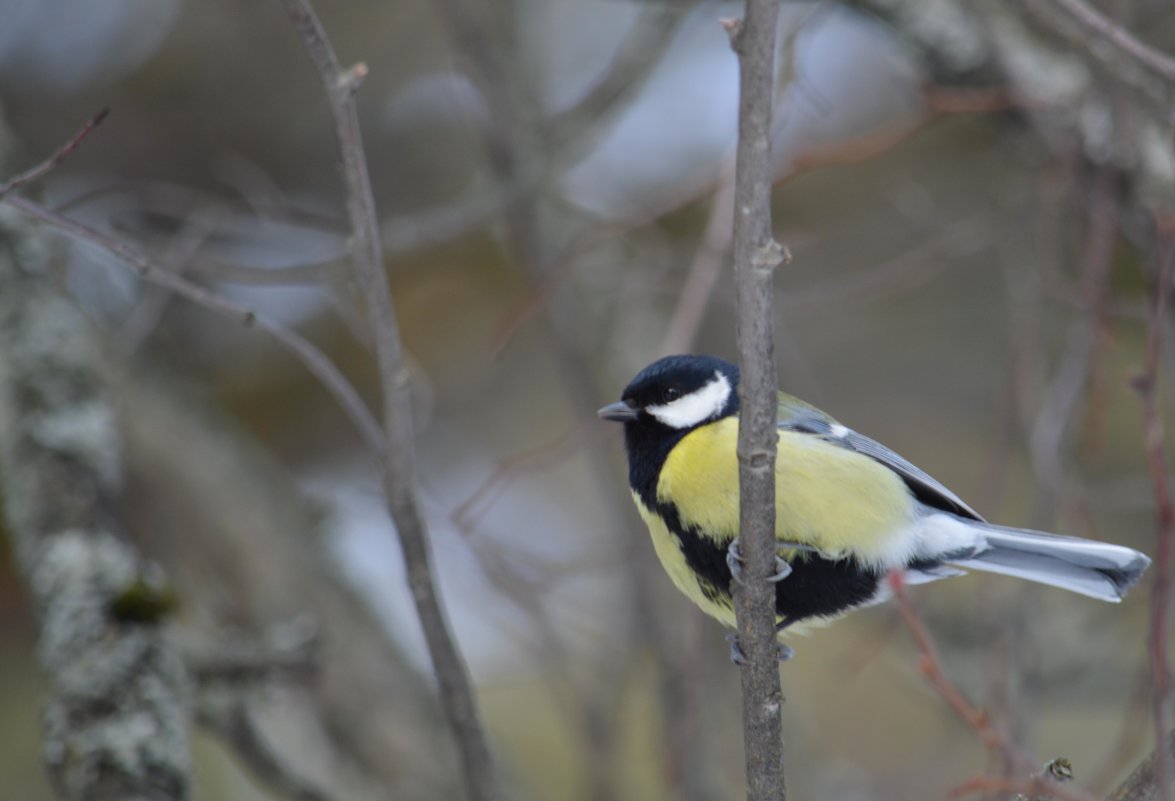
<point x="620" y="412"/>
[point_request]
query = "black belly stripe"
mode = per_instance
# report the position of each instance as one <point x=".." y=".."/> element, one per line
<point x="817" y="587"/>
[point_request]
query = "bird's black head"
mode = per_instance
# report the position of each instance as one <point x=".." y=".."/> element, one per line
<point x="678" y="393"/>
<point x="667" y="400"/>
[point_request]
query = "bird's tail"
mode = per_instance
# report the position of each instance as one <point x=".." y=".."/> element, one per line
<point x="1097" y="569"/>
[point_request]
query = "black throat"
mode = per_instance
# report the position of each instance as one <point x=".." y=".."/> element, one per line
<point x="648" y="445"/>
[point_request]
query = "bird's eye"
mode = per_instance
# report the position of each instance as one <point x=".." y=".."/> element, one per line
<point x="672" y="394"/>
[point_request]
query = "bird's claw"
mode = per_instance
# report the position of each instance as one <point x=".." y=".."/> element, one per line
<point x="782" y="652"/>
<point x="782" y="570"/>
<point x="734" y="560"/>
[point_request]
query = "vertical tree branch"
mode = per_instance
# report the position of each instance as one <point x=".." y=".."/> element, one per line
<point x="1147" y="385"/>
<point x="398" y="455"/>
<point x="756" y="255"/>
<point x="115" y="723"/>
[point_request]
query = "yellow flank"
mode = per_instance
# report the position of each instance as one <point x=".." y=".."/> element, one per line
<point x="672" y="559"/>
<point x="826" y="496"/>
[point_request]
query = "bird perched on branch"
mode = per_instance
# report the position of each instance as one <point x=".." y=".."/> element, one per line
<point x="848" y="510"/>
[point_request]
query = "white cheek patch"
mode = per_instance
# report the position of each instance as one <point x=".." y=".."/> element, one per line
<point x="696" y="407"/>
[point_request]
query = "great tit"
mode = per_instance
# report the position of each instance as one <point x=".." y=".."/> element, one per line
<point x="848" y="510"/>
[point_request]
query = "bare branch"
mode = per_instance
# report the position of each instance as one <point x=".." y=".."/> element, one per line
<point x="1094" y="22"/>
<point x="704" y="271"/>
<point x="315" y="663"/>
<point x="1147" y="386"/>
<point x="1035" y="787"/>
<point x="233" y="722"/>
<point x="930" y="666"/>
<point x="177" y="259"/>
<point x="61" y="154"/>
<point x="445" y="223"/>
<point x="116" y="726"/>
<point x="1062" y="70"/>
<point x="756" y="255"/>
<point x="311" y="357"/>
<point x="1143" y="782"/>
<point x="634" y="60"/>
<point x="398" y="451"/>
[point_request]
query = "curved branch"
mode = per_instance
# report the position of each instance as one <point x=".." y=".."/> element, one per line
<point x="398" y="454"/>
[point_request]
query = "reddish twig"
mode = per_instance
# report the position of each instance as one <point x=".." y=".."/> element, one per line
<point x="1033" y="787"/>
<point x="1146" y="385"/>
<point x="61" y="154"/>
<point x="930" y="666"/>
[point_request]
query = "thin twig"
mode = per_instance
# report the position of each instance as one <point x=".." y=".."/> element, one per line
<point x="177" y="259"/>
<point x="484" y="36"/>
<point x="1034" y="787"/>
<point x="233" y="722"/>
<point x="324" y="676"/>
<point x="756" y="255"/>
<point x="469" y="512"/>
<point x="311" y="357"/>
<point x="1147" y="385"/>
<point x="1094" y="22"/>
<point x="61" y="154"/>
<point x="1053" y="432"/>
<point x="930" y="666"/>
<point x="638" y="53"/>
<point x="398" y="452"/>
<point x="704" y="271"/>
<point x="446" y="223"/>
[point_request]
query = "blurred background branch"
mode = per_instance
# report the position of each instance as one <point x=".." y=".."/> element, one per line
<point x="115" y="724"/>
<point x="398" y="447"/>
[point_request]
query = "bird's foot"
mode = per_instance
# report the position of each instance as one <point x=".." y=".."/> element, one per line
<point x="782" y="652"/>
<point x="734" y="561"/>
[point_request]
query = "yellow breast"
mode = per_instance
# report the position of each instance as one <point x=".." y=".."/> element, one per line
<point x="826" y="496"/>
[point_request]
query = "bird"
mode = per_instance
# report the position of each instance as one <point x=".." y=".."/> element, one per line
<point x="849" y="511"/>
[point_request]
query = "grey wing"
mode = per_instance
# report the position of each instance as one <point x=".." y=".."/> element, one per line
<point x="925" y="487"/>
